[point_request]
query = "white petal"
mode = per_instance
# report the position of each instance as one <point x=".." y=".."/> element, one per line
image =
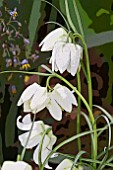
<point x="34" y="139"/>
<point x="76" y="53"/>
<point x="24" y="125"/>
<point x="39" y="98"/>
<point x="28" y="93"/>
<point x="49" y="41"/>
<point x="19" y="165"/>
<point x="70" y="95"/>
<point x="62" y="56"/>
<point x="44" y="155"/>
<point x="66" y="164"/>
<point x="54" y="110"/>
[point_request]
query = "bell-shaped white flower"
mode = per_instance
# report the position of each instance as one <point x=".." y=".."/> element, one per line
<point x="66" y="56"/>
<point x="50" y="40"/>
<point x="61" y="98"/>
<point x="36" y="136"/>
<point x="67" y="164"/>
<point x="34" y="98"/>
<point x="19" y="165"/>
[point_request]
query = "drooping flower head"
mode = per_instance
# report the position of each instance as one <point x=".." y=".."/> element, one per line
<point x="65" y="54"/>
<point x="39" y="129"/>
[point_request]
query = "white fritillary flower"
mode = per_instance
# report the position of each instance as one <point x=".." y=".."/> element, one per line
<point x="65" y="54"/>
<point x="19" y="165"/>
<point x="35" y="98"/>
<point x="67" y="164"/>
<point x="36" y="136"/>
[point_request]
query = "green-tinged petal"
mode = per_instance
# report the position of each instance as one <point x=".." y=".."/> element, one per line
<point x="76" y="54"/>
<point x="66" y="164"/>
<point x="28" y="93"/>
<point x="54" y="110"/>
<point x="26" y="106"/>
<point x="19" y="165"/>
<point x="34" y="139"/>
<point x="49" y="41"/>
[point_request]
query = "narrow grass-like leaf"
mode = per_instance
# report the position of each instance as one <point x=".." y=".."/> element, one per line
<point x="105" y="112"/>
<point x="109" y="142"/>
<point x="77" y="158"/>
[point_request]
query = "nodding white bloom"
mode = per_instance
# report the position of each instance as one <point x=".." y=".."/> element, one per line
<point x="39" y="130"/>
<point x="19" y="165"/>
<point x="60" y="98"/>
<point x="67" y="164"/>
<point x="65" y="54"/>
<point x="35" y="98"/>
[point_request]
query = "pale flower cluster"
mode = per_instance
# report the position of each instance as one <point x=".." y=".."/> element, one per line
<point x="35" y="98"/>
<point x="65" y="54"/>
<point x="39" y="129"/>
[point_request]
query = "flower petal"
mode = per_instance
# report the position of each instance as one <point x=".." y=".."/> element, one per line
<point x="19" y="165"/>
<point x="76" y="53"/>
<point x="39" y="97"/>
<point x="49" y="41"/>
<point x="66" y="164"/>
<point x="25" y="124"/>
<point x="34" y="139"/>
<point x="54" y="110"/>
<point x="45" y="153"/>
<point x="62" y="56"/>
<point x="28" y="93"/>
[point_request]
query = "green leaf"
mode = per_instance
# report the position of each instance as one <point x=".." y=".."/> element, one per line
<point x="34" y="20"/>
<point x="99" y="39"/>
<point x="1" y="3"/>
<point x="10" y="123"/>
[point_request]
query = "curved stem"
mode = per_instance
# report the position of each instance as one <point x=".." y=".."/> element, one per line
<point x="94" y="149"/>
<point x="25" y="72"/>
<point x="66" y="142"/>
<point x="24" y="149"/>
<point x="79" y="110"/>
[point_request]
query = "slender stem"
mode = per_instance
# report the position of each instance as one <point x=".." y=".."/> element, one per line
<point x="40" y="151"/>
<point x="79" y="110"/>
<point x="94" y="151"/>
<point x="25" y="72"/>
<point x="66" y="142"/>
<point x="24" y="149"/>
<point x="86" y="54"/>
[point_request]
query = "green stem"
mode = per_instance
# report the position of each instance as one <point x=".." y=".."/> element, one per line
<point x="40" y="151"/>
<point x="66" y="142"/>
<point x="25" y="72"/>
<point x="79" y="110"/>
<point x="94" y="149"/>
<point x="24" y="149"/>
